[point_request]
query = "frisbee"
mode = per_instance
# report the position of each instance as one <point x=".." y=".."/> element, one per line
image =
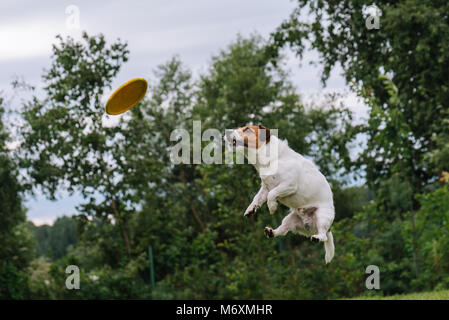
<point x="127" y="96"/>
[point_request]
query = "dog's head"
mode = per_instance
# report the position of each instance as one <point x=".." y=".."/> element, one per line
<point x="251" y="137"/>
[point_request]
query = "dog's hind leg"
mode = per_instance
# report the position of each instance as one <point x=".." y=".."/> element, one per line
<point x="323" y="220"/>
<point x="282" y="190"/>
<point x="290" y="223"/>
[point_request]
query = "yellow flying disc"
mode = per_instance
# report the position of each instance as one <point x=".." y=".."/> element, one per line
<point x="127" y="96"/>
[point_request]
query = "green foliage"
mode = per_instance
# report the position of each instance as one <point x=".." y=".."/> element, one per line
<point x="53" y="241"/>
<point x="432" y="227"/>
<point x="350" y="200"/>
<point x="11" y="212"/>
<point x="104" y="283"/>
<point x="192" y="215"/>
<point x="67" y="140"/>
<point x="433" y="295"/>
<point x="203" y="248"/>
<point x="411" y="46"/>
<point x="439" y="156"/>
<point x="16" y="244"/>
<point x="13" y="282"/>
<point x="39" y="279"/>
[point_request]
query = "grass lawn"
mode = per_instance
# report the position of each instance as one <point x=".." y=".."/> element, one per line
<point x="433" y="295"/>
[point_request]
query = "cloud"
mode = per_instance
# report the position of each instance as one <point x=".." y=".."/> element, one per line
<point x="29" y="39"/>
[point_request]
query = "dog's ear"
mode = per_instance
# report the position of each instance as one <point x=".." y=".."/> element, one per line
<point x="264" y="136"/>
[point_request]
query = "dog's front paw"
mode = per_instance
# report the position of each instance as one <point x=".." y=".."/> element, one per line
<point x="272" y="206"/>
<point x="251" y="209"/>
<point x="269" y="232"/>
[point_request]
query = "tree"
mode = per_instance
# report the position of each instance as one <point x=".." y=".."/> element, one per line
<point x="411" y="46"/>
<point x="192" y="215"/>
<point x="53" y="241"/>
<point x="11" y="212"/>
<point x="67" y="140"/>
<point x="16" y="246"/>
<point x="245" y="85"/>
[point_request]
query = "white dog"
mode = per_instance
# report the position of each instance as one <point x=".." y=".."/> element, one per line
<point x="291" y="180"/>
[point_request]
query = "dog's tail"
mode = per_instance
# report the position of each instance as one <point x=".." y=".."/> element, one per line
<point x="329" y="247"/>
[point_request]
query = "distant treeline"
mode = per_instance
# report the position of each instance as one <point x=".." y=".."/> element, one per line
<point x="53" y="241"/>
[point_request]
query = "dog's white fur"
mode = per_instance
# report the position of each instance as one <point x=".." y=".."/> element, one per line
<point x="296" y="183"/>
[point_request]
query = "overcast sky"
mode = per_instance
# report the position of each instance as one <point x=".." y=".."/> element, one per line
<point x="155" y="31"/>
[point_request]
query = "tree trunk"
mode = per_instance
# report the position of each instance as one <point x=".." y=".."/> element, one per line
<point x="194" y="211"/>
<point x="415" y="245"/>
<point x="122" y="226"/>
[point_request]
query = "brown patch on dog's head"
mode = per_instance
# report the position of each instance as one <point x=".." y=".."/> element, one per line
<point x="254" y="136"/>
